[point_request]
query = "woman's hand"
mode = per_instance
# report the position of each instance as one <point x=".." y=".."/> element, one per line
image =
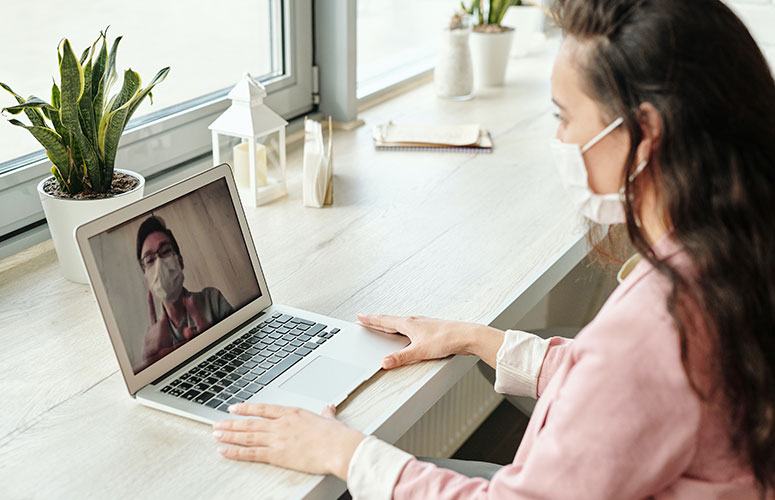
<point x="289" y="437"/>
<point x="435" y="338"/>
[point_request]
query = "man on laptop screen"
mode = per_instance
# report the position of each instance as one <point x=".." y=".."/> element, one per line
<point x="167" y="288"/>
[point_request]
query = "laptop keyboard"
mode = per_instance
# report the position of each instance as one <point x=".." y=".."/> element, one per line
<point x="246" y="365"/>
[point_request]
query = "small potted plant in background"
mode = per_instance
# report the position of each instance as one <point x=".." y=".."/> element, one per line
<point x="80" y="130"/>
<point x="490" y="41"/>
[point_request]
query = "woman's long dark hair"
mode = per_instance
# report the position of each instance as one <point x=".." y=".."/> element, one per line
<point x="714" y="173"/>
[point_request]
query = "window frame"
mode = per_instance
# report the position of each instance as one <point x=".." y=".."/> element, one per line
<point x="161" y="142"/>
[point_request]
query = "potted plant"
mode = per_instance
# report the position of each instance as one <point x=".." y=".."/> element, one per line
<point x="80" y="130"/>
<point x="490" y="41"/>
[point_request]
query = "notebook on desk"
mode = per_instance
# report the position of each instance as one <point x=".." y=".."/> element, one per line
<point x="439" y="138"/>
<point x="179" y="285"/>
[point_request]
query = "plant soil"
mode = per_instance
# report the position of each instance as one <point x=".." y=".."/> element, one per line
<point x="491" y="28"/>
<point x="122" y="183"/>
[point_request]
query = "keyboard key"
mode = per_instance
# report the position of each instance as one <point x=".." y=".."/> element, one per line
<point x="194" y="380"/>
<point x="253" y="388"/>
<point x="220" y="374"/>
<point x="244" y="357"/>
<point x="305" y="338"/>
<point x="241" y="370"/>
<point x="273" y="348"/>
<point x="306" y="322"/>
<point x="320" y="340"/>
<point x="232" y="377"/>
<point x="245" y="395"/>
<point x="232" y="389"/>
<point x="277" y="315"/>
<point x="249" y="377"/>
<point x="282" y="354"/>
<point x="274" y="359"/>
<point x="211" y="380"/>
<point x="303" y="351"/>
<point x="278" y="370"/>
<point x="217" y="388"/>
<point x="289" y="348"/>
<point x="201" y="386"/>
<point x="175" y="382"/>
<point x="240" y="383"/>
<point x="274" y="335"/>
<point x="234" y="401"/>
<point x="176" y="392"/>
<point x="315" y="329"/>
<point x="166" y="389"/>
<point x="328" y="335"/>
<point x="184" y="376"/>
<point x="190" y="394"/>
<point x="334" y="330"/>
<point x="252" y="351"/>
<point x="250" y="364"/>
<point x="214" y="403"/>
<point x="297" y="343"/>
<point x="228" y="368"/>
<point x="184" y="386"/>
<point x="266" y="365"/>
<point x="304" y="326"/>
<point x="224" y="408"/>
<point x="204" y="397"/>
<point x="284" y="318"/>
<point x="257" y="371"/>
<point x="311" y="345"/>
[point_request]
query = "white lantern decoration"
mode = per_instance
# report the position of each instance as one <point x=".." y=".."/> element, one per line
<point x="259" y="160"/>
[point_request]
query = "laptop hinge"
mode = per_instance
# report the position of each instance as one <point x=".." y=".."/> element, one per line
<point x="167" y="374"/>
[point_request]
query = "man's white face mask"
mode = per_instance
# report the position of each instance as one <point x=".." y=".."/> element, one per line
<point x="165" y="278"/>
<point x="605" y="208"/>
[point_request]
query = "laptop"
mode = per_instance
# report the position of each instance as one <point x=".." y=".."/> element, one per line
<point x="181" y="291"/>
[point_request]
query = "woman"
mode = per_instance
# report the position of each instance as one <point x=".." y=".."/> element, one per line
<point x="667" y="124"/>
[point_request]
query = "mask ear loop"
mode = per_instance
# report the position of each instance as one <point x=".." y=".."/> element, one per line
<point x="631" y="178"/>
<point x="602" y="134"/>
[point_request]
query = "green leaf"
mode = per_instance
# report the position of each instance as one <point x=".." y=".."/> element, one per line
<point x="98" y="80"/>
<point x="51" y="141"/>
<point x="130" y="87"/>
<point x="110" y="73"/>
<point x="33" y="114"/>
<point x="18" y="98"/>
<point x="31" y="103"/>
<point x="71" y="91"/>
<point x="85" y="110"/>
<point x="138" y="99"/>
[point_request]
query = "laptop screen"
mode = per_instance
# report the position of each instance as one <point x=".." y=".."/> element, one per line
<point x="173" y="272"/>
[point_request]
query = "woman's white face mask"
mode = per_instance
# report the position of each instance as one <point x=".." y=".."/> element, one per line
<point x="605" y="208"/>
<point x="165" y="278"/>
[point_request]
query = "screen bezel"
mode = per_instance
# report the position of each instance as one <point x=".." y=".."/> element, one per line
<point x="135" y="382"/>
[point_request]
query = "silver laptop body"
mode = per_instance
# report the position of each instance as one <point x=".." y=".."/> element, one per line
<point x="218" y="339"/>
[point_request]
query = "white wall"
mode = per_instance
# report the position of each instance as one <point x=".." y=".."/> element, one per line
<point x="759" y="16"/>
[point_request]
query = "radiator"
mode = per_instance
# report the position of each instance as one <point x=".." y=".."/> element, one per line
<point x="452" y="420"/>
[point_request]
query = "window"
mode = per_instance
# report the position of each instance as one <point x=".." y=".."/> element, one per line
<point x="208" y="45"/>
<point x="398" y="40"/>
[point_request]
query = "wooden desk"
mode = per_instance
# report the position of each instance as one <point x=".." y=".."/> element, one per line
<point x="459" y="236"/>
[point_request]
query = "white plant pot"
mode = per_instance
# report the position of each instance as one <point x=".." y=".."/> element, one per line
<point x="64" y="215"/>
<point x="490" y="55"/>
<point x="527" y="21"/>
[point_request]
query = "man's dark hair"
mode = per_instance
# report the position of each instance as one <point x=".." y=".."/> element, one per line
<point x="151" y="225"/>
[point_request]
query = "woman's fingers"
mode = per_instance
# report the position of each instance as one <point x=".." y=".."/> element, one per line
<point x="403" y="357"/>
<point x="377" y="328"/>
<point x="242" y="424"/>
<point x="245" y="454"/>
<point x="384" y="322"/>
<point x="261" y="410"/>
<point x="243" y="438"/>
<point x="329" y="411"/>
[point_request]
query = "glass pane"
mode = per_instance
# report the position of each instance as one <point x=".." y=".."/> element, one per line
<point x="398" y="34"/>
<point x="208" y="46"/>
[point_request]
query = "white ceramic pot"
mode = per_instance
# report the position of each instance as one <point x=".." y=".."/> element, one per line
<point x="64" y="215"/>
<point x="453" y="75"/>
<point x="490" y="55"/>
<point x="527" y="21"/>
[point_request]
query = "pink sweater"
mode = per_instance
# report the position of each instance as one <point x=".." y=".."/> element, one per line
<point x="616" y="417"/>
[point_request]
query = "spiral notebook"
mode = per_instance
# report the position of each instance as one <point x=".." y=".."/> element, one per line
<point x="468" y="138"/>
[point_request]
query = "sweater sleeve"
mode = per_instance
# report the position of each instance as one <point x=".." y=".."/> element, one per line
<point x="520" y="359"/>
<point x="622" y="426"/>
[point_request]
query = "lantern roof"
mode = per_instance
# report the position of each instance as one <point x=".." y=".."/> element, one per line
<point x="247" y="116"/>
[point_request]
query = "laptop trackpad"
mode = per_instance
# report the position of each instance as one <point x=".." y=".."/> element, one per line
<point x="324" y="379"/>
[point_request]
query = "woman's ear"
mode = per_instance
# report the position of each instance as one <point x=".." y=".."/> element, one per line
<point x="651" y="129"/>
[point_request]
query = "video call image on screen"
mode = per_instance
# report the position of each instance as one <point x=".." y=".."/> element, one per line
<point x="172" y="273"/>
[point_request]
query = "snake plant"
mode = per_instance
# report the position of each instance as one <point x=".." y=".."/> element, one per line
<point x="497" y="9"/>
<point x="81" y="127"/>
